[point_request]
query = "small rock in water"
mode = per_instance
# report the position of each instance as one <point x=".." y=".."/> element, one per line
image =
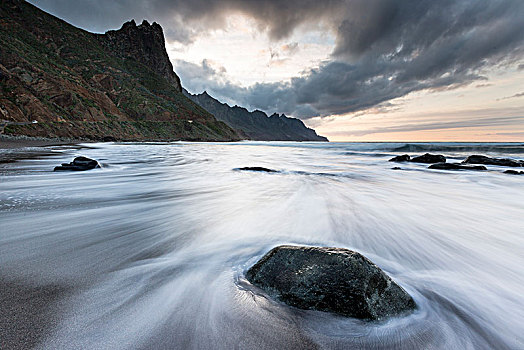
<point x="477" y="159"/>
<point x="78" y="164"/>
<point x="429" y="158"/>
<point x="514" y="172"/>
<point x="335" y="280"/>
<point x="257" y="168"/>
<point x="456" y="166"/>
<point x="396" y="168"/>
<point x="402" y="158"/>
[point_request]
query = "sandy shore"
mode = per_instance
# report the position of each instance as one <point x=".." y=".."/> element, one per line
<point x="13" y="148"/>
<point x="17" y="142"/>
<point x="27" y="312"/>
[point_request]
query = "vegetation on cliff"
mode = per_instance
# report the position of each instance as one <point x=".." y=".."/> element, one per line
<point x="119" y="85"/>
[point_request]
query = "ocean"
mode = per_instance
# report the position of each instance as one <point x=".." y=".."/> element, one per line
<point x="150" y="251"/>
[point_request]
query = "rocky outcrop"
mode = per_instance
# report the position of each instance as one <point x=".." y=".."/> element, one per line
<point x="477" y="159"/>
<point x="456" y="166"/>
<point x="257" y="125"/>
<point x="429" y="158"/>
<point x="330" y="279"/>
<point x="402" y="158"/>
<point x="514" y="172"/>
<point x="143" y="43"/>
<point x="257" y="168"/>
<point x="79" y="164"/>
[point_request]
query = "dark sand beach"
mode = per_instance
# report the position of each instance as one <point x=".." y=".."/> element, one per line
<point x="14" y="148"/>
<point x="16" y="142"/>
<point x="27" y="312"/>
<point x="27" y="308"/>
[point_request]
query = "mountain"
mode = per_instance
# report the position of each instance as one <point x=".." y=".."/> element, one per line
<point x="257" y="125"/>
<point x="119" y="85"/>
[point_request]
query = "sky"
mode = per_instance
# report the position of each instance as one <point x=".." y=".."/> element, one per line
<point x="355" y="70"/>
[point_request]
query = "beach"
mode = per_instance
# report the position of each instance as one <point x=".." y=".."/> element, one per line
<point x="151" y="250"/>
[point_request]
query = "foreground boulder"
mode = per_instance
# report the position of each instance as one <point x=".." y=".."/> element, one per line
<point x="336" y="280"/>
<point x="429" y="158"/>
<point x="456" y="166"/>
<point x="402" y="158"/>
<point x="79" y="164"/>
<point x="257" y="168"/>
<point x="477" y="159"/>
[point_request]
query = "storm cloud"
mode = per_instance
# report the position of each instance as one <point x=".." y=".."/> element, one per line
<point x="384" y="49"/>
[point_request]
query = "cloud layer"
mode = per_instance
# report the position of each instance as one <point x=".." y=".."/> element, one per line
<point x="384" y="49"/>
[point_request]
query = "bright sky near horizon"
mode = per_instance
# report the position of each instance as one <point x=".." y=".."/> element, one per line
<point x="353" y="70"/>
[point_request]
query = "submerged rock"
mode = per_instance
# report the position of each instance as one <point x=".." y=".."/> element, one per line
<point x="514" y="172"/>
<point x="456" y="166"/>
<point x="402" y="158"/>
<point x="477" y="159"/>
<point x="79" y="164"/>
<point x="257" y="168"/>
<point x="429" y="158"/>
<point x="335" y="280"/>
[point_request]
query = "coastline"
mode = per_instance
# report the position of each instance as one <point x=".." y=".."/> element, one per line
<point x="13" y="148"/>
<point x="20" y="142"/>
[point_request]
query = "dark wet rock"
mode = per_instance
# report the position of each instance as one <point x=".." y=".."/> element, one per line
<point x="477" y="159"/>
<point x="514" y="172"/>
<point x="396" y="168"/>
<point x="329" y="279"/>
<point x="257" y="168"/>
<point x="456" y="166"/>
<point x="79" y="164"/>
<point x="402" y="158"/>
<point x="109" y="139"/>
<point x="429" y="158"/>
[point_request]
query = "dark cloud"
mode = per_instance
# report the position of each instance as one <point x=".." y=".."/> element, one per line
<point x="520" y="94"/>
<point x="479" y="86"/>
<point x="384" y="49"/>
<point x="187" y="19"/>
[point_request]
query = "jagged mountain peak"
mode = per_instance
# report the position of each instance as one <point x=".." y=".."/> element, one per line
<point x="144" y="43"/>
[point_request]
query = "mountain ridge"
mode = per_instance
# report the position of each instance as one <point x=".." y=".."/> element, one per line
<point x="256" y="125"/>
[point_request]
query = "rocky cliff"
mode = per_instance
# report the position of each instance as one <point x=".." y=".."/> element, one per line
<point x="145" y="44"/>
<point x="257" y="125"/>
<point x="119" y="85"/>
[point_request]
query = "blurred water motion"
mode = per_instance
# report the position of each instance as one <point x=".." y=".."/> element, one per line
<point x="154" y="245"/>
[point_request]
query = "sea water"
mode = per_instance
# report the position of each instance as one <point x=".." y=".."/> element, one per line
<point x="155" y="244"/>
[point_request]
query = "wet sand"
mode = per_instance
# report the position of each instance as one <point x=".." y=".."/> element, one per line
<point x="27" y="312"/>
<point x="13" y="148"/>
<point x="16" y="142"/>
